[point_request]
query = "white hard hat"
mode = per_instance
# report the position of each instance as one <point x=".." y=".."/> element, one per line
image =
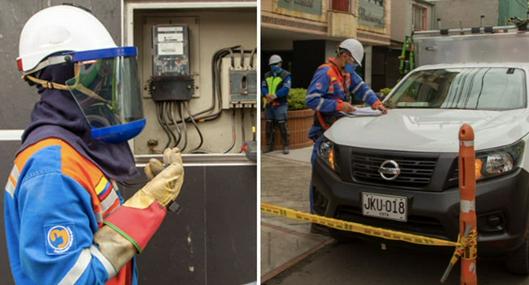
<point x="355" y="48"/>
<point x="57" y="29"/>
<point x="274" y="59"/>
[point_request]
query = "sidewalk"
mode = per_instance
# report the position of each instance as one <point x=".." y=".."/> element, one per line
<point x="300" y="154"/>
<point x="285" y="181"/>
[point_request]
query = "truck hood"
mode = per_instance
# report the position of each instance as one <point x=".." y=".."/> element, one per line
<point x="429" y="130"/>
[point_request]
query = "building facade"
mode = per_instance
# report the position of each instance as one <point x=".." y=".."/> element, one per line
<point x="306" y="32"/>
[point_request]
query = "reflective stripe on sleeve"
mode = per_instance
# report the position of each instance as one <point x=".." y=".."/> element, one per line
<point x="365" y="95"/>
<point x="108" y="266"/>
<point x="109" y="201"/>
<point x="15" y="173"/>
<point x="10" y="188"/>
<point x="320" y="104"/>
<point x="12" y="180"/>
<point x="78" y="268"/>
<point x="358" y="86"/>
<point x="314" y="95"/>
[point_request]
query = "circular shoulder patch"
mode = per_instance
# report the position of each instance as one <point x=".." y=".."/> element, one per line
<point x="60" y="238"/>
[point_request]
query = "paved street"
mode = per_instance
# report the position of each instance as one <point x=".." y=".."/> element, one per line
<point x="365" y="263"/>
<point x="290" y="254"/>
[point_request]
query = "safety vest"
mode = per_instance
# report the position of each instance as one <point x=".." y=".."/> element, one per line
<point x="273" y="82"/>
<point x="104" y="196"/>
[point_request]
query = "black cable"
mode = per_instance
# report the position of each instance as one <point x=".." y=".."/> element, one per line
<point x="216" y="83"/>
<point x="216" y="96"/>
<point x="242" y="59"/>
<point x="181" y="114"/>
<point x="175" y="122"/>
<point x="196" y="127"/>
<point x="232" y="59"/>
<point x="251" y="57"/>
<point x="216" y="57"/>
<point x="165" y="115"/>
<point x="233" y="132"/>
<point x="216" y="105"/>
<point x="159" y="116"/>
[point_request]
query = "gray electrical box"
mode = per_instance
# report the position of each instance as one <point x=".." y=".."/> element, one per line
<point x="243" y="86"/>
<point x="171" y="76"/>
<point x="170" y="50"/>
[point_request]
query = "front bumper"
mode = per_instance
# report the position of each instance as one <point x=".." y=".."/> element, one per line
<point x="502" y="206"/>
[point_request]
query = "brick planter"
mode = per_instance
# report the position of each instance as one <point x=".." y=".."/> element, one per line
<point x="299" y="123"/>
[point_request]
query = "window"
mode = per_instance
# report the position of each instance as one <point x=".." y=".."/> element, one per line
<point x="492" y="88"/>
<point x="419" y="19"/>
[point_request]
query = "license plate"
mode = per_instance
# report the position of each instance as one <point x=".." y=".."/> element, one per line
<point x="385" y="206"/>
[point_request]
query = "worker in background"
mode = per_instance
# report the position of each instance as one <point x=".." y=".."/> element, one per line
<point x="274" y="89"/>
<point x="66" y="221"/>
<point x="328" y="92"/>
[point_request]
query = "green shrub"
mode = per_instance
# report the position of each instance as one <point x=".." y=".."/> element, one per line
<point x="296" y="99"/>
<point x="385" y="91"/>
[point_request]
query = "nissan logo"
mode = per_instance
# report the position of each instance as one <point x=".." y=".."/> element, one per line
<point x="389" y="170"/>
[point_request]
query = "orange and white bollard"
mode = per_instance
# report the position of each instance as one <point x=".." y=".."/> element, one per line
<point x="467" y="216"/>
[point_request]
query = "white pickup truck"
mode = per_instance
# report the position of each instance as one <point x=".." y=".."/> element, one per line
<point x="400" y="171"/>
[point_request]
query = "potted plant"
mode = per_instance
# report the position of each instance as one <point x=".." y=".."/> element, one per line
<point x="300" y="119"/>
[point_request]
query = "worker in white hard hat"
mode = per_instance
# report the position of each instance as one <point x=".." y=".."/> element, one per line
<point x="65" y="220"/>
<point x="329" y="90"/>
<point x="274" y="89"/>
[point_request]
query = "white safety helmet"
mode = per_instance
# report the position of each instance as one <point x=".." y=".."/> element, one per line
<point x="58" y="29"/>
<point x="105" y="82"/>
<point x="355" y="48"/>
<point x="274" y="59"/>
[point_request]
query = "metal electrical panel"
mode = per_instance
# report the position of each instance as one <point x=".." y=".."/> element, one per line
<point x="171" y="75"/>
<point x="239" y="81"/>
<point x="243" y="86"/>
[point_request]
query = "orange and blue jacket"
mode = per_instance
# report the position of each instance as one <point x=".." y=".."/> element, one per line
<point x="55" y="201"/>
<point x="330" y="88"/>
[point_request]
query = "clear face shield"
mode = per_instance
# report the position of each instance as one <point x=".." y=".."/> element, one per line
<point x="106" y="88"/>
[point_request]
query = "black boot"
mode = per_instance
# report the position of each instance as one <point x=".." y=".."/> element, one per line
<point x="283" y="128"/>
<point x="270" y="136"/>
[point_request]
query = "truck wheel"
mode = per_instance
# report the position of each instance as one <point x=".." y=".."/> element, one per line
<point x="518" y="261"/>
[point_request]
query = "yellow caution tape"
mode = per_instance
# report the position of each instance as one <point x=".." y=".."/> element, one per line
<point x="356" y="227"/>
<point x="467" y="246"/>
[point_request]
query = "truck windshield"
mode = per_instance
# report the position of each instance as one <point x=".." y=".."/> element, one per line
<point x="462" y="88"/>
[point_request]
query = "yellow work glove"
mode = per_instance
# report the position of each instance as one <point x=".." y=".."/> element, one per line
<point x="165" y="184"/>
<point x="153" y="168"/>
<point x="129" y="228"/>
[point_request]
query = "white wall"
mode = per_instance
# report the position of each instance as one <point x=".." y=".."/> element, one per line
<point x="400" y="19"/>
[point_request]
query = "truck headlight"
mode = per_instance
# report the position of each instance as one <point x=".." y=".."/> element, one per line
<point x="327" y="154"/>
<point x="495" y="162"/>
